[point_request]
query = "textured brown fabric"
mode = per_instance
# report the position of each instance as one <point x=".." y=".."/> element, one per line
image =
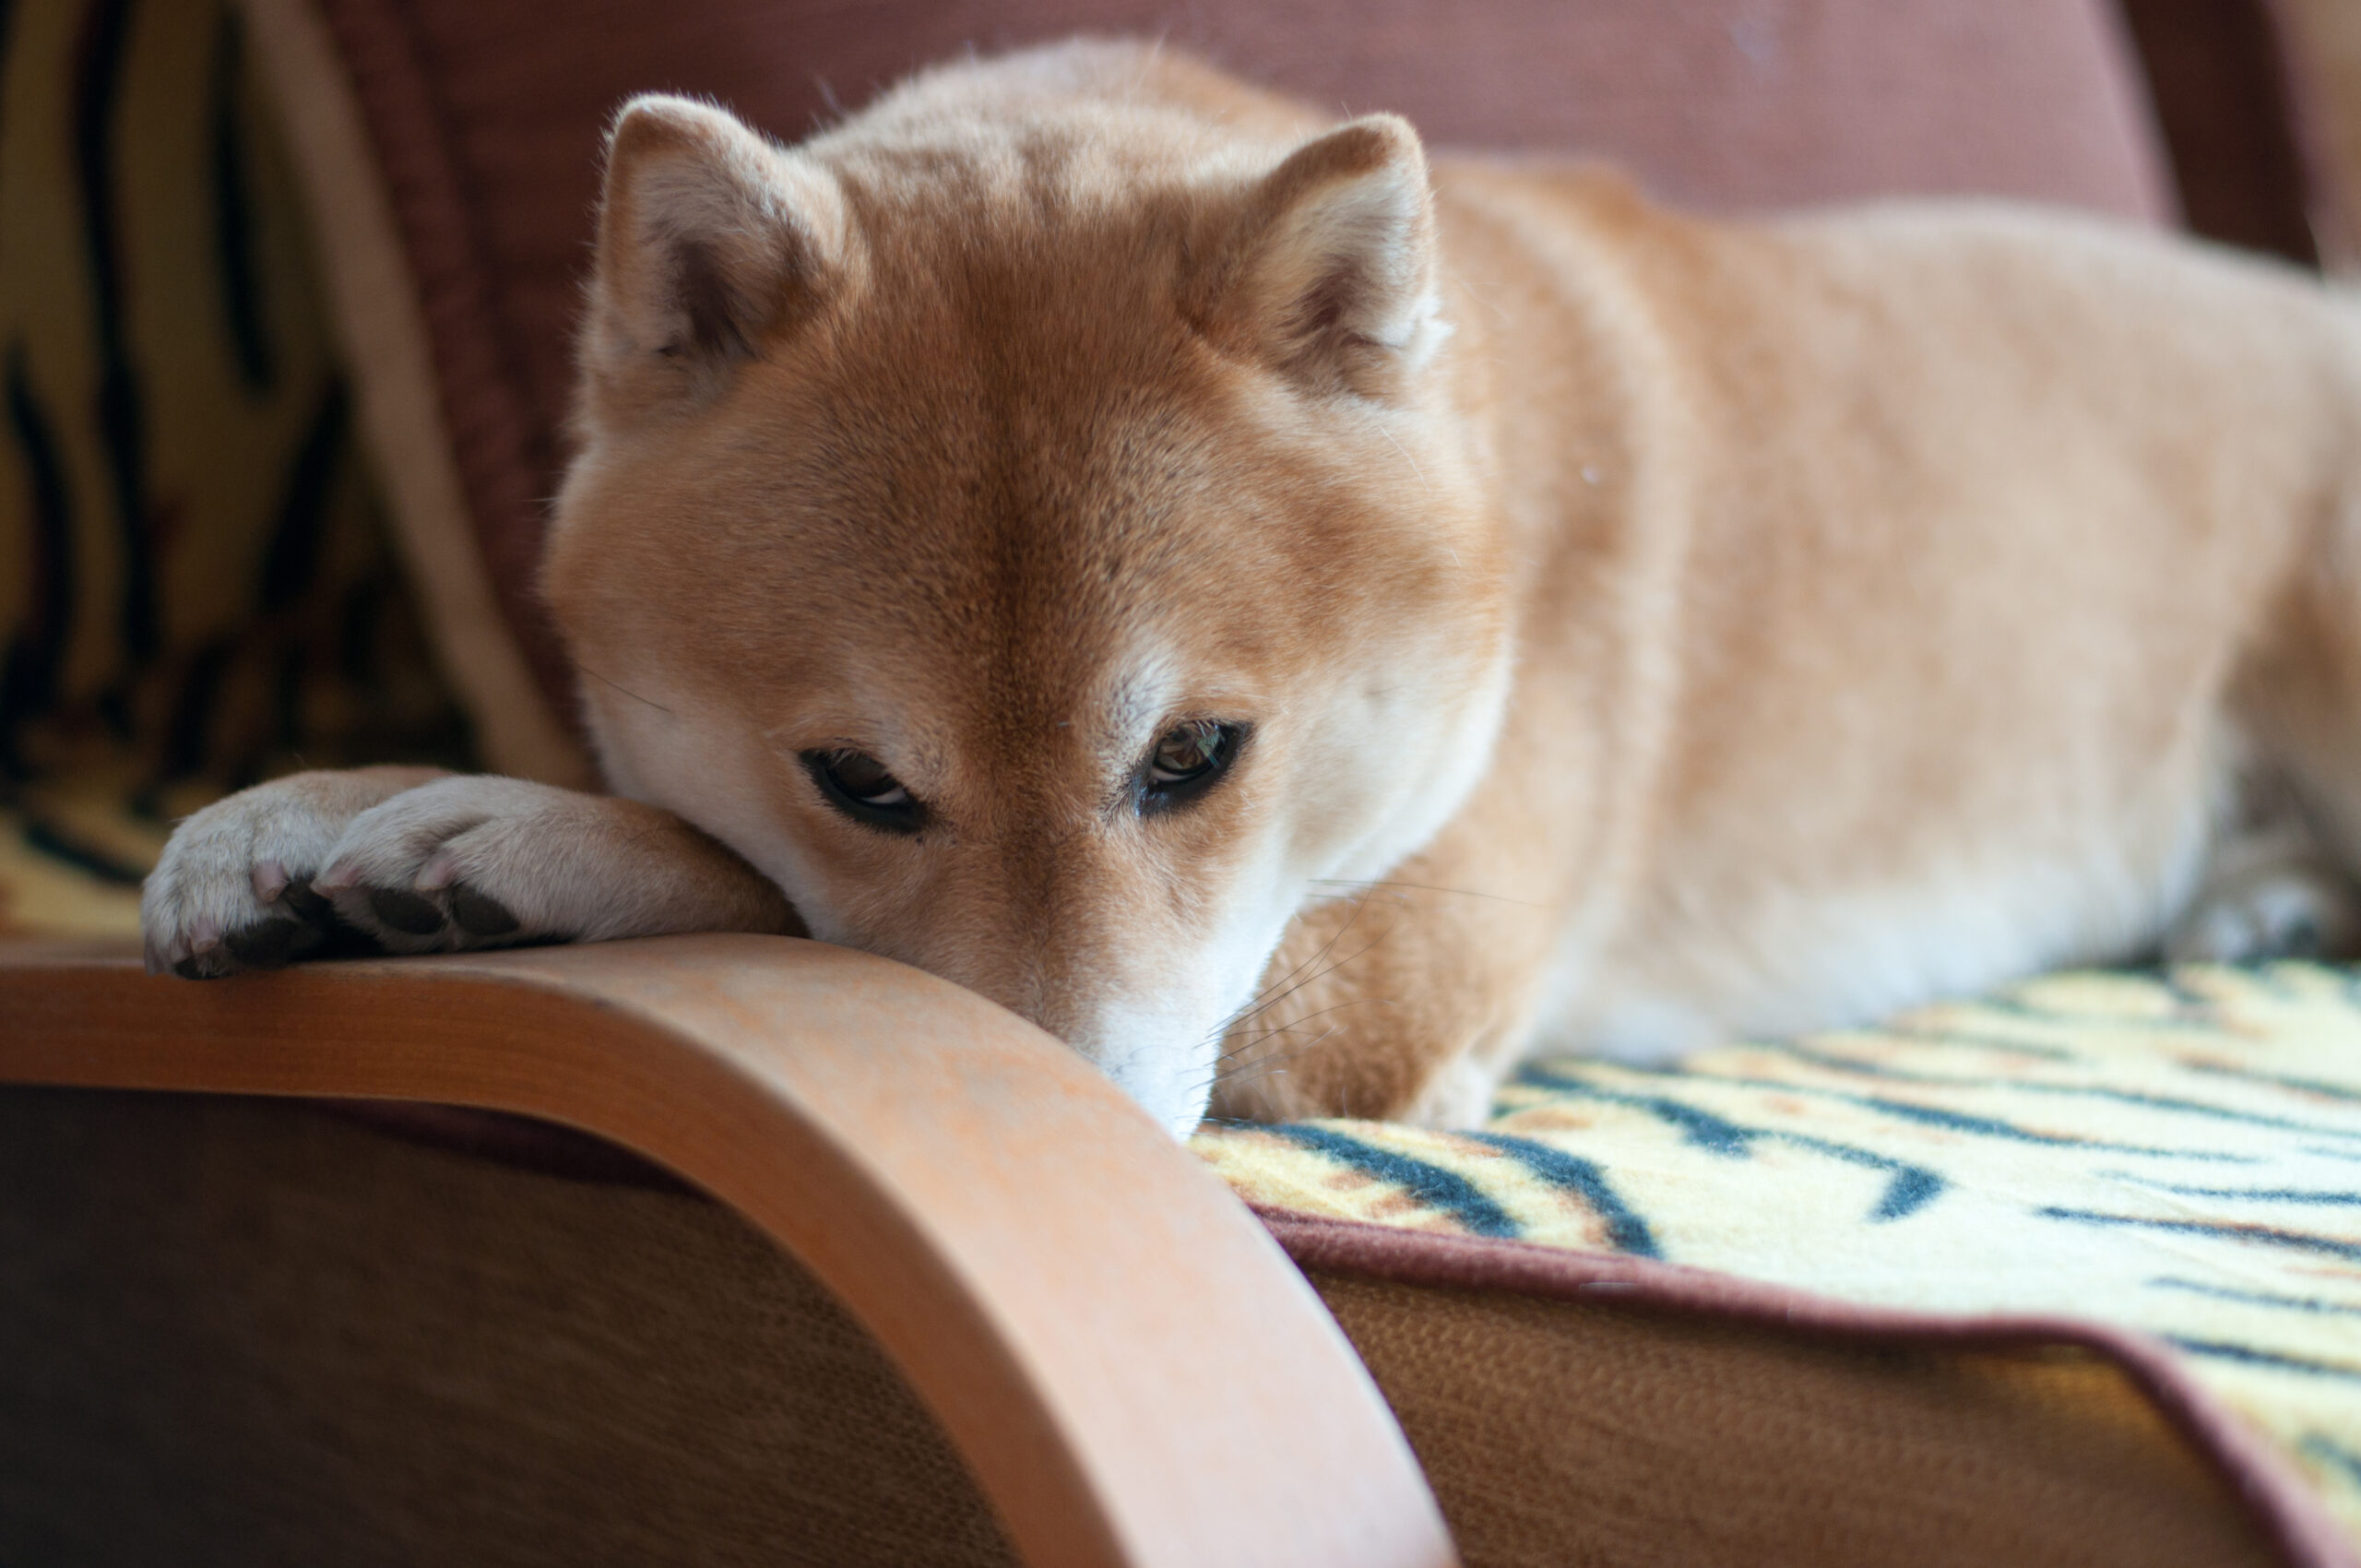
<point x="255" y="1333"/>
<point x="487" y="113"/>
<point x="1560" y="1433"/>
<point x="524" y="1142"/>
<point x="2253" y="1474"/>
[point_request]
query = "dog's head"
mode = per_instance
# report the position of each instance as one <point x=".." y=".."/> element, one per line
<point x="1029" y="527"/>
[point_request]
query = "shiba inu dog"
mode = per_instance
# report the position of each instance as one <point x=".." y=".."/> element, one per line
<point x="1310" y="626"/>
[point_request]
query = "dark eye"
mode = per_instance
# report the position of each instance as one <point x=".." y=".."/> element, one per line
<point x="1187" y="758"/>
<point x="858" y="785"/>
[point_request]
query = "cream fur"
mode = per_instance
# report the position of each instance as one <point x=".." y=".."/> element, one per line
<point x="1651" y="629"/>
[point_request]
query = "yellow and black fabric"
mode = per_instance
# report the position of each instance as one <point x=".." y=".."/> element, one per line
<point x="196" y="588"/>
<point x="2171" y="1160"/>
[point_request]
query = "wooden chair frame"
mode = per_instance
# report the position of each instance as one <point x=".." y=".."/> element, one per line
<point x="1134" y="1373"/>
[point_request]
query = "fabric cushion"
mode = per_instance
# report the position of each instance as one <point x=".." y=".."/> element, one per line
<point x="486" y="114"/>
<point x="2160" y="1168"/>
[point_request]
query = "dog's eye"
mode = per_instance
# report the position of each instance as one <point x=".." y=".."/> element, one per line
<point x="1187" y="758"/>
<point x="858" y="785"/>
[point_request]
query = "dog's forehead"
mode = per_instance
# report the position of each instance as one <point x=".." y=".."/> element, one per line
<point x="1013" y="389"/>
<point x="993" y="564"/>
<point x="960" y="464"/>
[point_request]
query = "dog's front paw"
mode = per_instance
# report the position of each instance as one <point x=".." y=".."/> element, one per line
<point x="436" y="863"/>
<point x="470" y="862"/>
<point x="233" y="889"/>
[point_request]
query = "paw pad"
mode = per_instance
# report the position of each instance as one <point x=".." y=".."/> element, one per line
<point x="269" y="944"/>
<point x="405" y="912"/>
<point x="479" y="915"/>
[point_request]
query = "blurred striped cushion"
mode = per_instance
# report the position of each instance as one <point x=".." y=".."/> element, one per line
<point x="196" y="587"/>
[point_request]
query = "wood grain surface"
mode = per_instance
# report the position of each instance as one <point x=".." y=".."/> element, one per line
<point x="1132" y="1370"/>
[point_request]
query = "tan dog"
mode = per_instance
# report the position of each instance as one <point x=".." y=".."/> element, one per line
<point x="1309" y="629"/>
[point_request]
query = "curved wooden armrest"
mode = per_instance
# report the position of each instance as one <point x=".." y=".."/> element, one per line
<point x="1134" y="1372"/>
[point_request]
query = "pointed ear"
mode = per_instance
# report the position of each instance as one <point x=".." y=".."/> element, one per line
<point x="1329" y="269"/>
<point x="712" y="242"/>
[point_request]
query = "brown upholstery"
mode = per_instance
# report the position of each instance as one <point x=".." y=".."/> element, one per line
<point x="1563" y="1431"/>
<point x="261" y="1332"/>
<point x="486" y="115"/>
<point x="250" y="1333"/>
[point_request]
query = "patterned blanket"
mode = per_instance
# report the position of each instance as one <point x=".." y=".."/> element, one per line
<point x="197" y="586"/>
<point x="2178" y="1154"/>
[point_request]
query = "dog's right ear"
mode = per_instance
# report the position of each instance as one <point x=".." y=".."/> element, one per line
<point x="713" y="242"/>
<point x="1329" y="266"/>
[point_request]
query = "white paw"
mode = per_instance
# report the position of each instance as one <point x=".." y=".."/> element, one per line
<point x="405" y="861"/>
<point x="480" y="861"/>
<point x="233" y="887"/>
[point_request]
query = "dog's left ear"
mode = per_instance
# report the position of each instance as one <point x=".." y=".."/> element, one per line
<point x="1328" y="267"/>
<point x="713" y="242"/>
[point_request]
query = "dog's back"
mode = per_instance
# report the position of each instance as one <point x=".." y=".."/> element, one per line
<point x="1996" y="531"/>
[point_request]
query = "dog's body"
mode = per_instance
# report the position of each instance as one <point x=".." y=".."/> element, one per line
<point x="1312" y="634"/>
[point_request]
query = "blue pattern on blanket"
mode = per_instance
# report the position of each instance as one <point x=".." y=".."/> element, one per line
<point x="2178" y="1154"/>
